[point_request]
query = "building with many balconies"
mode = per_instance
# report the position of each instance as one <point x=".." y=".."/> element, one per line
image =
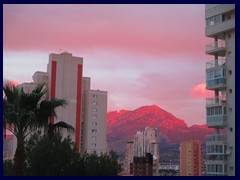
<point x="220" y="78"/>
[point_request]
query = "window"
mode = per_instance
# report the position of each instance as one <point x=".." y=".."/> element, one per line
<point x="230" y="90"/>
<point x="93" y="145"/>
<point x="230" y="72"/>
<point x="94" y="102"/>
<point x="94" y="109"/>
<point x="95" y="95"/>
<point x="94" y="130"/>
<point x="94" y="116"/>
<point x="229" y="35"/>
<point x="94" y="123"/>
<point x="230" y="109"/>
<point x="231" y="129"/>
<point x="214" y="20"/>
<point x="224" y="110"/>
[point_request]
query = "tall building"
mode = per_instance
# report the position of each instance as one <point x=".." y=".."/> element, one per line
<point x="220" y="78"/>
<point x="129" y="154"/>
<point x="144" y="142"/>
<point x="143" y="165"/>
<point x="191" y="158"/>
<point x="86" y="108"/>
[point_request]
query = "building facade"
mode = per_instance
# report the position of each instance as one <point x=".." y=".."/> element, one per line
<point x="191" y="158"/>
<point x="86" y="109"/>
<point x="143" y="142"/>
<point x="129" y="154"/>
<point x="220" y="78"/>
<point x="142" y="166"/>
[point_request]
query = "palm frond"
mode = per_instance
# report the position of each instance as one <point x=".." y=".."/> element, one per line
<point x="62" y="125"/>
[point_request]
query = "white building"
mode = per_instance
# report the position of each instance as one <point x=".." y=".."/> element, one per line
<point x="86" y="109"/>
<point x="143" y="142"/>
<point x="220" y="25"/>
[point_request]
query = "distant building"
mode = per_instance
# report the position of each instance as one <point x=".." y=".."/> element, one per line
<point x="191" y="158"/>
<point x="169" y="170"/>
<point x="142" y="166"/>
<point x="144" y="142"/>
<point x="128" y="157"/>
<point x="220" y="78"/>
<point x="8" y="147"/>
<point x="86" y="109"/>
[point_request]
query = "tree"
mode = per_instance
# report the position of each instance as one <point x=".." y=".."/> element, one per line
<point x="55" y="156"/>
<point x="98" y="165"/>
<point x="24" y="113"/>
<point x="50" y="156"/>
<point x="8" y="168"/>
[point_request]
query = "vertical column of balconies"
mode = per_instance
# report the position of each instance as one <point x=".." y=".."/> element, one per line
<point x="216" y="107"/>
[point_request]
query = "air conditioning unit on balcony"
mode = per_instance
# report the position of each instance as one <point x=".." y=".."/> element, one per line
<point x="228" y="152"/>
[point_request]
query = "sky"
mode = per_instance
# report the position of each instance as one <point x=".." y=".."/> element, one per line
<point x="141" y="54"/>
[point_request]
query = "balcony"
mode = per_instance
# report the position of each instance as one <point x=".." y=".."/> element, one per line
<point x="219" y="28"/>
<point x="216" y="75"/>
<point x="216" y="158"/>
<point x="216" y="112"/>
<point x="216" y="48"/>
<point x="215" y="64"/>
<point x="216" y="145"/>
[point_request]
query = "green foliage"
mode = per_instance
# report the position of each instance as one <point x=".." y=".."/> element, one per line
<point x="56" y="156"/>
<point x="49" y="156"/>
<point x="8" y="168"/>
<point x="24" y="113"/>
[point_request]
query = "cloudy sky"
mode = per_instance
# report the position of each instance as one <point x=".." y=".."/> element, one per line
<point x="140" y="54"/>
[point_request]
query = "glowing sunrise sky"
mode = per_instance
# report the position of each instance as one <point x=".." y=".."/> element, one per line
<point x="140" y="54"/>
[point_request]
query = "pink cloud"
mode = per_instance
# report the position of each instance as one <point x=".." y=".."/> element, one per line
<point x="142" y="29"/>
<point x="11" y="82"/>
<point x="199" y="91"/>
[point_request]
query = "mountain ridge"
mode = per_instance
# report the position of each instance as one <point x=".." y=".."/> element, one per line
<point x="123" y="124"/>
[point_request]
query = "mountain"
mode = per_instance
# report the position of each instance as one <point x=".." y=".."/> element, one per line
<point x="122" y="125"/>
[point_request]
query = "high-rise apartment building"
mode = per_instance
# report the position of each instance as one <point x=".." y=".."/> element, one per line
<point x="129" y="154"/>
<point x="86" y="109"/>
<point x="220" y="78"/>
<point x="143" y="142"/>
<point x="191" y="158"/>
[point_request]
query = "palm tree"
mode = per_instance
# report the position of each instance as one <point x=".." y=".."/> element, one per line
<point x="54" y="128"/>
<point x="24" y="113"/>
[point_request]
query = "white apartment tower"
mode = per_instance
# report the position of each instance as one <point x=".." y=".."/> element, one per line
<point x="220" y="78"/>
<point x="86" y="109"/>
<point x="143" y="142"/>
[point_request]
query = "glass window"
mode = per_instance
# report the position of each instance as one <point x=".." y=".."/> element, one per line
<point x="216" y="110"/>
<point x="220" y="110"/>
<point x="218" y="73"/>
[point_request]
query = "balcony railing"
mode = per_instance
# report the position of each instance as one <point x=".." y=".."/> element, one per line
<point x="217" y="120"/>
<point x="215" y="63"/>
<point x="219" y="83"/>
<point x="217" y="47"/>
<point x="216" y="111"/>
<point x="216" y="137"/>
<point x="216" y="100"/>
